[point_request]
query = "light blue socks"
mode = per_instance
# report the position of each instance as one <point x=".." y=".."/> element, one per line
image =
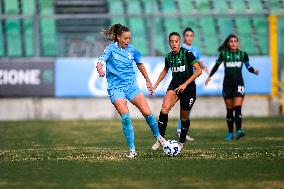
<point x="128" y="130"/>
<point x="152" y="122"/>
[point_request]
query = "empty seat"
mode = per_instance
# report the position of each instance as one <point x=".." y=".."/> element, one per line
<point x="225" y="25"/>
<point x="247" y="44"/>
<point x="207" y="25"/>
<point x="48" y="29"/>
<point x="275" y="7"/>
<point x="211" y="45"/>
<point x="238" y="6"/>
<point x="189" y="22"/>
<point x="137" y="27"/>
<point x="168" y="6"/>
<point x="243" y="25"/>
<point x="28" y="9"/>
<point x="14" y="43"/>
<point x="203" y="6"/>
<point x="261" y="24"/>
<point x="159" y="38"/>
<point x="1" y="41"/>
<point x="263" y="44"/>
<point x="186" y="6"/>
<point x="150" y="6"/>
<point x="255" y="6"/>
<point x="220" y="6"/>
<point x="116" y="7"/>
<point x="172" y="25"/>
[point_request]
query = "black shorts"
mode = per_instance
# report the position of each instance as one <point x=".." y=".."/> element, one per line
<point x="187" y="97"/>
<point x="231" y="90"/>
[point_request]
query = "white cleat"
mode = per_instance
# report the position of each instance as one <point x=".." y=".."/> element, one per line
<point x="187" y="138"/>
<point x="132" y="154"/>
<point x="156" y="145"/>
<point x="161" y="140"/>
<point x="181" y="145"/>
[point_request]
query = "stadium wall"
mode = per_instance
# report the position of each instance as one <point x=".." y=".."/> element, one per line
<point x="101" y="108"/>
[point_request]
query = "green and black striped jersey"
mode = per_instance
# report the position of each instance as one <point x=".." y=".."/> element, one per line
<point x="233" y="63"/>
<point x="181" y="65"/>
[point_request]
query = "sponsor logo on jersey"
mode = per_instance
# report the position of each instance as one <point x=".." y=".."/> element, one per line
<point x="234" y="64"/>
<point x="178" y="69"/>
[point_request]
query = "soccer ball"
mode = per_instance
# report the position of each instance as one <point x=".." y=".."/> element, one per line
<point x="172" y="148"/>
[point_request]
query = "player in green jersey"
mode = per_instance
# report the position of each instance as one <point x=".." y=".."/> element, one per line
<point x="182" y="86"/>
<point x="233" y="86"/>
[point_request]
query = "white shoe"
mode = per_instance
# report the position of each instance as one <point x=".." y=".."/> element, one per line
<point x="161" y="140"/>
<point x="156" y="145"/>
<point x="132" y="154"/>
<point x="181" y="145"/>
<point x="188" y="138"/>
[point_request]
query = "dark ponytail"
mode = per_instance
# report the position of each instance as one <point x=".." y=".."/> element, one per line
<point x="225" y="43"/>
<point x="115" y="30"/>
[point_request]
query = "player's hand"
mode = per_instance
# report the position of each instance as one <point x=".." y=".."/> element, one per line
<point x="150" y="87"/>
<point x="180" y="89"/>
<point x="204" y="68"/>
<point x="207" y="81"/>
<point x="100" y="69"/>
<point x="256" y="71"/>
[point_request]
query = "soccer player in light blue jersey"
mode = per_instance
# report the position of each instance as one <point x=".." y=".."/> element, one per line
<point x="188" y="36"/>
<point x="118" y="58"/>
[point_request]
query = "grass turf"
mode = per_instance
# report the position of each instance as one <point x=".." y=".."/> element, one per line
<point x="91" y="154"/>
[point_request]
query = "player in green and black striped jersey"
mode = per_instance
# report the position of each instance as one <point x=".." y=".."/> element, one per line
<point x="182" y="86"/>
<point x="233" y="85"/>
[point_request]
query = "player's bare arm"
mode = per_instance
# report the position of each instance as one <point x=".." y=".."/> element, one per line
<point x="143" y="71"/>
<point x="161" y="77"/>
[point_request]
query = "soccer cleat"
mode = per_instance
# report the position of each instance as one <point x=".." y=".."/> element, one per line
<point x="229" y="137"/>
<point x="131" y="154"/>
<point x="161" y="140"/>
<point x="156" y="146"/>
<point x="240" y="134"/>
<point x="181" y="145"/>
<point x="188" y="138"/>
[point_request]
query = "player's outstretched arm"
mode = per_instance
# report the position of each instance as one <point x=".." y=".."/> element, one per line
<point x="203" y="66"/>
<point x="143" y="71"/>
<point x="251" y="69"/>
<point x="161" y="77"/>
<point x="214" y="69"/>
<point x="197" y="73"/>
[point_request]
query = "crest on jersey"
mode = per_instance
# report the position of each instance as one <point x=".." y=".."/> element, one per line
<point x="129" y="56"/>
<point x="116" y="56"/>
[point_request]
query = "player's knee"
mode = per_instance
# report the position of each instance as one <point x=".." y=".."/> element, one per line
<point x="165" y="109"/>
<point x="146" y="112"/>
<point x="184" y="118"/>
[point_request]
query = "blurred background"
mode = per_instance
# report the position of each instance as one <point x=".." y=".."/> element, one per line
<point x="48" y="51"/>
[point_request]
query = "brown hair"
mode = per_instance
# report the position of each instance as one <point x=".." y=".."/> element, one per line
<point x="225" y="43"/>
<point x="115" y="30"/>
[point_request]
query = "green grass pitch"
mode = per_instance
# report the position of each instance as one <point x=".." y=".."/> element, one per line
<point x="91" y="154"/>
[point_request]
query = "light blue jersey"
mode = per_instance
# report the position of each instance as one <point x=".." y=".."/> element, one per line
<point x="119" y="65"/>
<point x="192" y="49"/>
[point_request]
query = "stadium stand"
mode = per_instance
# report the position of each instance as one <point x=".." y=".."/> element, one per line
<point x="57" y="37"/>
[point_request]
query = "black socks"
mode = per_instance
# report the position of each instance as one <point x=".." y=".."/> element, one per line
<point x="230" y="120"/>
<point x="238" y="117"/>
<point x="162" y="123"/>
<point x="184" y="129"/>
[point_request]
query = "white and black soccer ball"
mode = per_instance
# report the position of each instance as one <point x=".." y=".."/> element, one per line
<point x="172" y="148"/>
